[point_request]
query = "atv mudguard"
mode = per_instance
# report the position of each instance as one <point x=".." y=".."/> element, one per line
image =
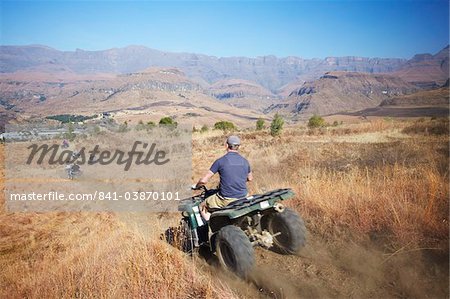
<point x="190" y="209"/>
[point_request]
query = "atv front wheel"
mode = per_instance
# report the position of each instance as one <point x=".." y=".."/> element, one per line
<point x="289" y="230"/>
<point x="234" y="250"/>
<point x="181" y="237"/>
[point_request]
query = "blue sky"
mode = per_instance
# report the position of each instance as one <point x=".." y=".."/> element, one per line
<point x="302" y="28"/>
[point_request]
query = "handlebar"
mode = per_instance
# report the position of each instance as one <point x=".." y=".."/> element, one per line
<point x="194" y="187"/>
<point x="205" y="191"/>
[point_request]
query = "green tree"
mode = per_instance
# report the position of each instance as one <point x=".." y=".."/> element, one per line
<point x="70" y="135"/>
<point x="260" y="124"/>
<point x="316" y="122"/>
<point x="277" y="125"/>
<point x="224" y="126"/>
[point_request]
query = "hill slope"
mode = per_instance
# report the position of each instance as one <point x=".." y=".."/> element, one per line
<point x="147" y="95"/>
<point x="341" y="91"/>
<point x="424" y="103"/>
<point x="426" y="70"/>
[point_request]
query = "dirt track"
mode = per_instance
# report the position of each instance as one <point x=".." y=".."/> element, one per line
<point x="330" y="270"/>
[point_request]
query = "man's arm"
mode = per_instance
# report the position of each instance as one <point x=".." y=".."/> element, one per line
<point x="214" y="168"/>
<point x="204" y="179"/>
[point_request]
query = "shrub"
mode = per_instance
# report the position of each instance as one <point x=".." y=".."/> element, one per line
<point x="140" y="126"/>
<point x="260" y="124"/>
<point x="70" y="135"/>
<point x="123" y="127"/>
<point x="97" y="130"/>
<point x="168" y="121"/>
<point x="316" y="122"/>
<point x="145" y="126"/>
<point x="204" y="128"/>
<point x="224" y="126"/>
<point x="277" y="125"/>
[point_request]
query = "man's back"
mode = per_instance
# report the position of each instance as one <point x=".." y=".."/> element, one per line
<point x="233" y="170"/>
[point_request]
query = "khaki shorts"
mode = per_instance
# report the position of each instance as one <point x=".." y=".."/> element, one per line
<point x="216" y="201"/>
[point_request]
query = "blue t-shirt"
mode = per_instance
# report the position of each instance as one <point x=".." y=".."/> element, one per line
<point x="233" y="170"/>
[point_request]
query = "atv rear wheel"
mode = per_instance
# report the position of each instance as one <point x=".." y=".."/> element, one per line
<point x="290" y="228"/>
<point x="234" y="250"/>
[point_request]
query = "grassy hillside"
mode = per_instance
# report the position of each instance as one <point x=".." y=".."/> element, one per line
<point x="382" y="176"/>
<point x="374" y="196"/>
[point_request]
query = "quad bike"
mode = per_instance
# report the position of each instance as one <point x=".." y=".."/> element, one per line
<point x="233" y="231"/>
<point x="73" y="171"/>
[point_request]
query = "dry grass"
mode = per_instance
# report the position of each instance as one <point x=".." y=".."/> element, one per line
<point x="359" y="180"/>
<point x="406" y="206"/>
<point x="429" y="127"/>
<point x="92" y="255"/>
<point x="365" y="179"/>
<point x="62" y="255"/>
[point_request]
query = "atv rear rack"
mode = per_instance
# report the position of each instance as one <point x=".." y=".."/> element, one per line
<point x="257" y="202"/>
<point x="251" y="200"/>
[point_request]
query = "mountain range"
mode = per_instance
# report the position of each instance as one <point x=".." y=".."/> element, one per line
<point x="41" y="80"/>
<point x="269" y="71"/>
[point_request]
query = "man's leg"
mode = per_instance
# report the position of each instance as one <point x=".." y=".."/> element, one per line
<point x="214" y="201"/>
<point x="204" y="211"/>
<point x="211" y="202"/>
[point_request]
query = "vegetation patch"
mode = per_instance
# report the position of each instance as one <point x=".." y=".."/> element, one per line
<point x="224" y="126"/>
<point x="439" y="126"/>
<point x="260" y="124"/>
<point x="316" y="121"/>
<point x="167" y="121"/>
<point x="277" y="125"/>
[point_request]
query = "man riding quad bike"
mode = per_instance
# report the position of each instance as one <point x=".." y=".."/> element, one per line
<point x="73" y="170"/>
<point x="231" y="223"/>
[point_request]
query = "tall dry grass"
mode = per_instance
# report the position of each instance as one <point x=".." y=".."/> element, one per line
<point x="88" y="255"/>
<point x="392" y="201"/>
<point x="92" y="255"/>
<point x="367" y="179"/>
